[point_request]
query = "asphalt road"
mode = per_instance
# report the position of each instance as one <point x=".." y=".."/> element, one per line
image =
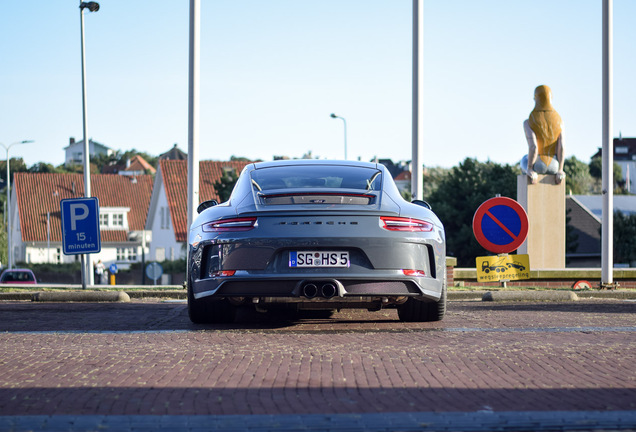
<point x="144" y="366"/>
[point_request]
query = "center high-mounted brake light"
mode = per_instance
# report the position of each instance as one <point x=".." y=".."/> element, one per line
<point x="405" y="224"/>
<point x="226" y="225"/>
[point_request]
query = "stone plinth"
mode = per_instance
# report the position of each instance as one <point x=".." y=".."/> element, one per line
<point x="544" y="202"/>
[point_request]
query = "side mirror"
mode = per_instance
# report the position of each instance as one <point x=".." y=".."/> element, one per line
<point x="206" y="204"/>
<point x="422" y="203"/>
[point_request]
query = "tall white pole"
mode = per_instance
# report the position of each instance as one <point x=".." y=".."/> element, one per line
<point x="607" y="253"/>
<point x="417" y="181"/>
<point x="9" y="251"/>
<point x="86" y="263"/>
<point x="345" y="137"/>
<point x="193" y="113"/>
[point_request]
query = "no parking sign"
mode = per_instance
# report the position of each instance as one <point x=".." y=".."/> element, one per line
<point x="500" y="225"/>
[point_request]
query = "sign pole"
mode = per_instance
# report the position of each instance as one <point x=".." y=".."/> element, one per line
<point x="83" y="261"/>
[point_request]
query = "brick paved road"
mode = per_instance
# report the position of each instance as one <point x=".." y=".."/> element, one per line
<point x="146" y="358"/>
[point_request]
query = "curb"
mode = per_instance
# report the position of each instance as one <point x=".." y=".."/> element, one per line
<point x="478" y="295"/>
<point x="82" y="296"/>
<point x="530" y="296"/>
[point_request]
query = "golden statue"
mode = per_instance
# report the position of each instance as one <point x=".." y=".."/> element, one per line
<point x="544" y="133"/>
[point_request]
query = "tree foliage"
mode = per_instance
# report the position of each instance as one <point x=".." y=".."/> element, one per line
<point x="458" y="196"/>
<point x="578" y="180"/>
<point x="120" y="158"/>
<point x="624" y="237"/>
<point x="225" y="184"/>
<point x="596" y="171"/>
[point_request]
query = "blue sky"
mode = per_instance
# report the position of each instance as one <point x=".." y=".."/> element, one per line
<point x="273" y="70"/>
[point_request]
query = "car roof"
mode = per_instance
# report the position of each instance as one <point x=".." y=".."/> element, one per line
<point x="303" y="162"/>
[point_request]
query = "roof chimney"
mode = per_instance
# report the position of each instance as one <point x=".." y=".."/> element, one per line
<point x="71" y="140"/>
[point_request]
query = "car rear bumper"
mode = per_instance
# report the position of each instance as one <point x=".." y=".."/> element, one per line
<point x="389" y="283"/>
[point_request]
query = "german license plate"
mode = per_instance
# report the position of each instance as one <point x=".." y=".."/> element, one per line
<point x="318" y="259"/>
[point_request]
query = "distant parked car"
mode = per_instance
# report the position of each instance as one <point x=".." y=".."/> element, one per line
<point x="17" y="276"/>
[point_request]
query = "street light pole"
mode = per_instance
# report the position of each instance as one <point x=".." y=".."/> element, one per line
<point x="345" y="132"/>
<point x="9" y="254"/>
<point x="86" y="264"/>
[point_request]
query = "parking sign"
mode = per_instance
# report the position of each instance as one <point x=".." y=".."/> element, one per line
<point x="80" y="226"/>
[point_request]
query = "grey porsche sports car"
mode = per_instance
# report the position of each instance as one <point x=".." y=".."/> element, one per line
<point x="316" y="235"/>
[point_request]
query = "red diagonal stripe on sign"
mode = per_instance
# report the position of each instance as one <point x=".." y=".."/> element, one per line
<point x="502" y="226"/>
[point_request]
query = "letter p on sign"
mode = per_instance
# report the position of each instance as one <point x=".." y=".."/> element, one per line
<point x="76" y="215"/>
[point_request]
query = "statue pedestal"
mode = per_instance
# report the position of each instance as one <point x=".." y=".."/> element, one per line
<point x="544" y="202"/>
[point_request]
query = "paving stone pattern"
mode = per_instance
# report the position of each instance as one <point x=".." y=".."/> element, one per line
<point x="78" y="362"/>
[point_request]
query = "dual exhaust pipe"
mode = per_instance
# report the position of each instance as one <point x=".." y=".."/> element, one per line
<point x="322" y="289"/>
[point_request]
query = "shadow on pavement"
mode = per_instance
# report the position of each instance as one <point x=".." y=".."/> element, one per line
<point x="159" y="316"/>
<point x="312" y="400"/>
<point x="615" y="307"/>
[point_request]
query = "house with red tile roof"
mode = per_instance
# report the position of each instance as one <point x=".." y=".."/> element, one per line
<point x="167" y="216"/>
<point x="134" y="166"/>
<point x="36" y="215"/>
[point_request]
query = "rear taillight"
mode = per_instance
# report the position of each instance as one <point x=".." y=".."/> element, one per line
<point x="223" y="273"/>
<point x="225" y="225"/>
<point x="404" y="224"/>
<point x="411" y="272"/>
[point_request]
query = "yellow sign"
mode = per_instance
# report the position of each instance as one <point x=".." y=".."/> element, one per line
<point x="503" y="267"/>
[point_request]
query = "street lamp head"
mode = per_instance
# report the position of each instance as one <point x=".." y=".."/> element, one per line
<point x="333" y="115"/>
<point x="92" y="6"/>
<point x="26" y="141"/>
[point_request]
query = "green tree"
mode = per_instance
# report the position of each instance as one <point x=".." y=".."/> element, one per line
<point x="596" y="171"/>
<point x="120" y="158"/>
<point x="432" y="178"/>
<point x="43" y="167"/>
<point x="225" y="184"/>
<point x="458" y="196"/>
<point x="578" y="180"/>
<point x="240" y="159"/>
<point x="624" y="237"/>
<point x="15" y="165"/>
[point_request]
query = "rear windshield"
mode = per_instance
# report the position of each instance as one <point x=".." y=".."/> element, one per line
<point x="317" y="177"/>
<point x="17" y="276"/>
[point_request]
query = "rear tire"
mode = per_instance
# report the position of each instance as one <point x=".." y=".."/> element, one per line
<point x="414" y="310"/>
<point x="206" y="311"/>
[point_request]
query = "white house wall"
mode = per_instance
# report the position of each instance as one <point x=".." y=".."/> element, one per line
<point x="163" y="245"/>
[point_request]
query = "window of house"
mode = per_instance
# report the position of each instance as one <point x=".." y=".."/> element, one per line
<point x="113" y="218"/>
<point x="118" y="219"/>
<point x="126" y="254"/>
<point x="165" y="217"/>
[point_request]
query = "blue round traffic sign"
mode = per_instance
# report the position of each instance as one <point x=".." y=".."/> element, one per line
<point x="154" y="270"/>
<point x="500" y="225"/>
